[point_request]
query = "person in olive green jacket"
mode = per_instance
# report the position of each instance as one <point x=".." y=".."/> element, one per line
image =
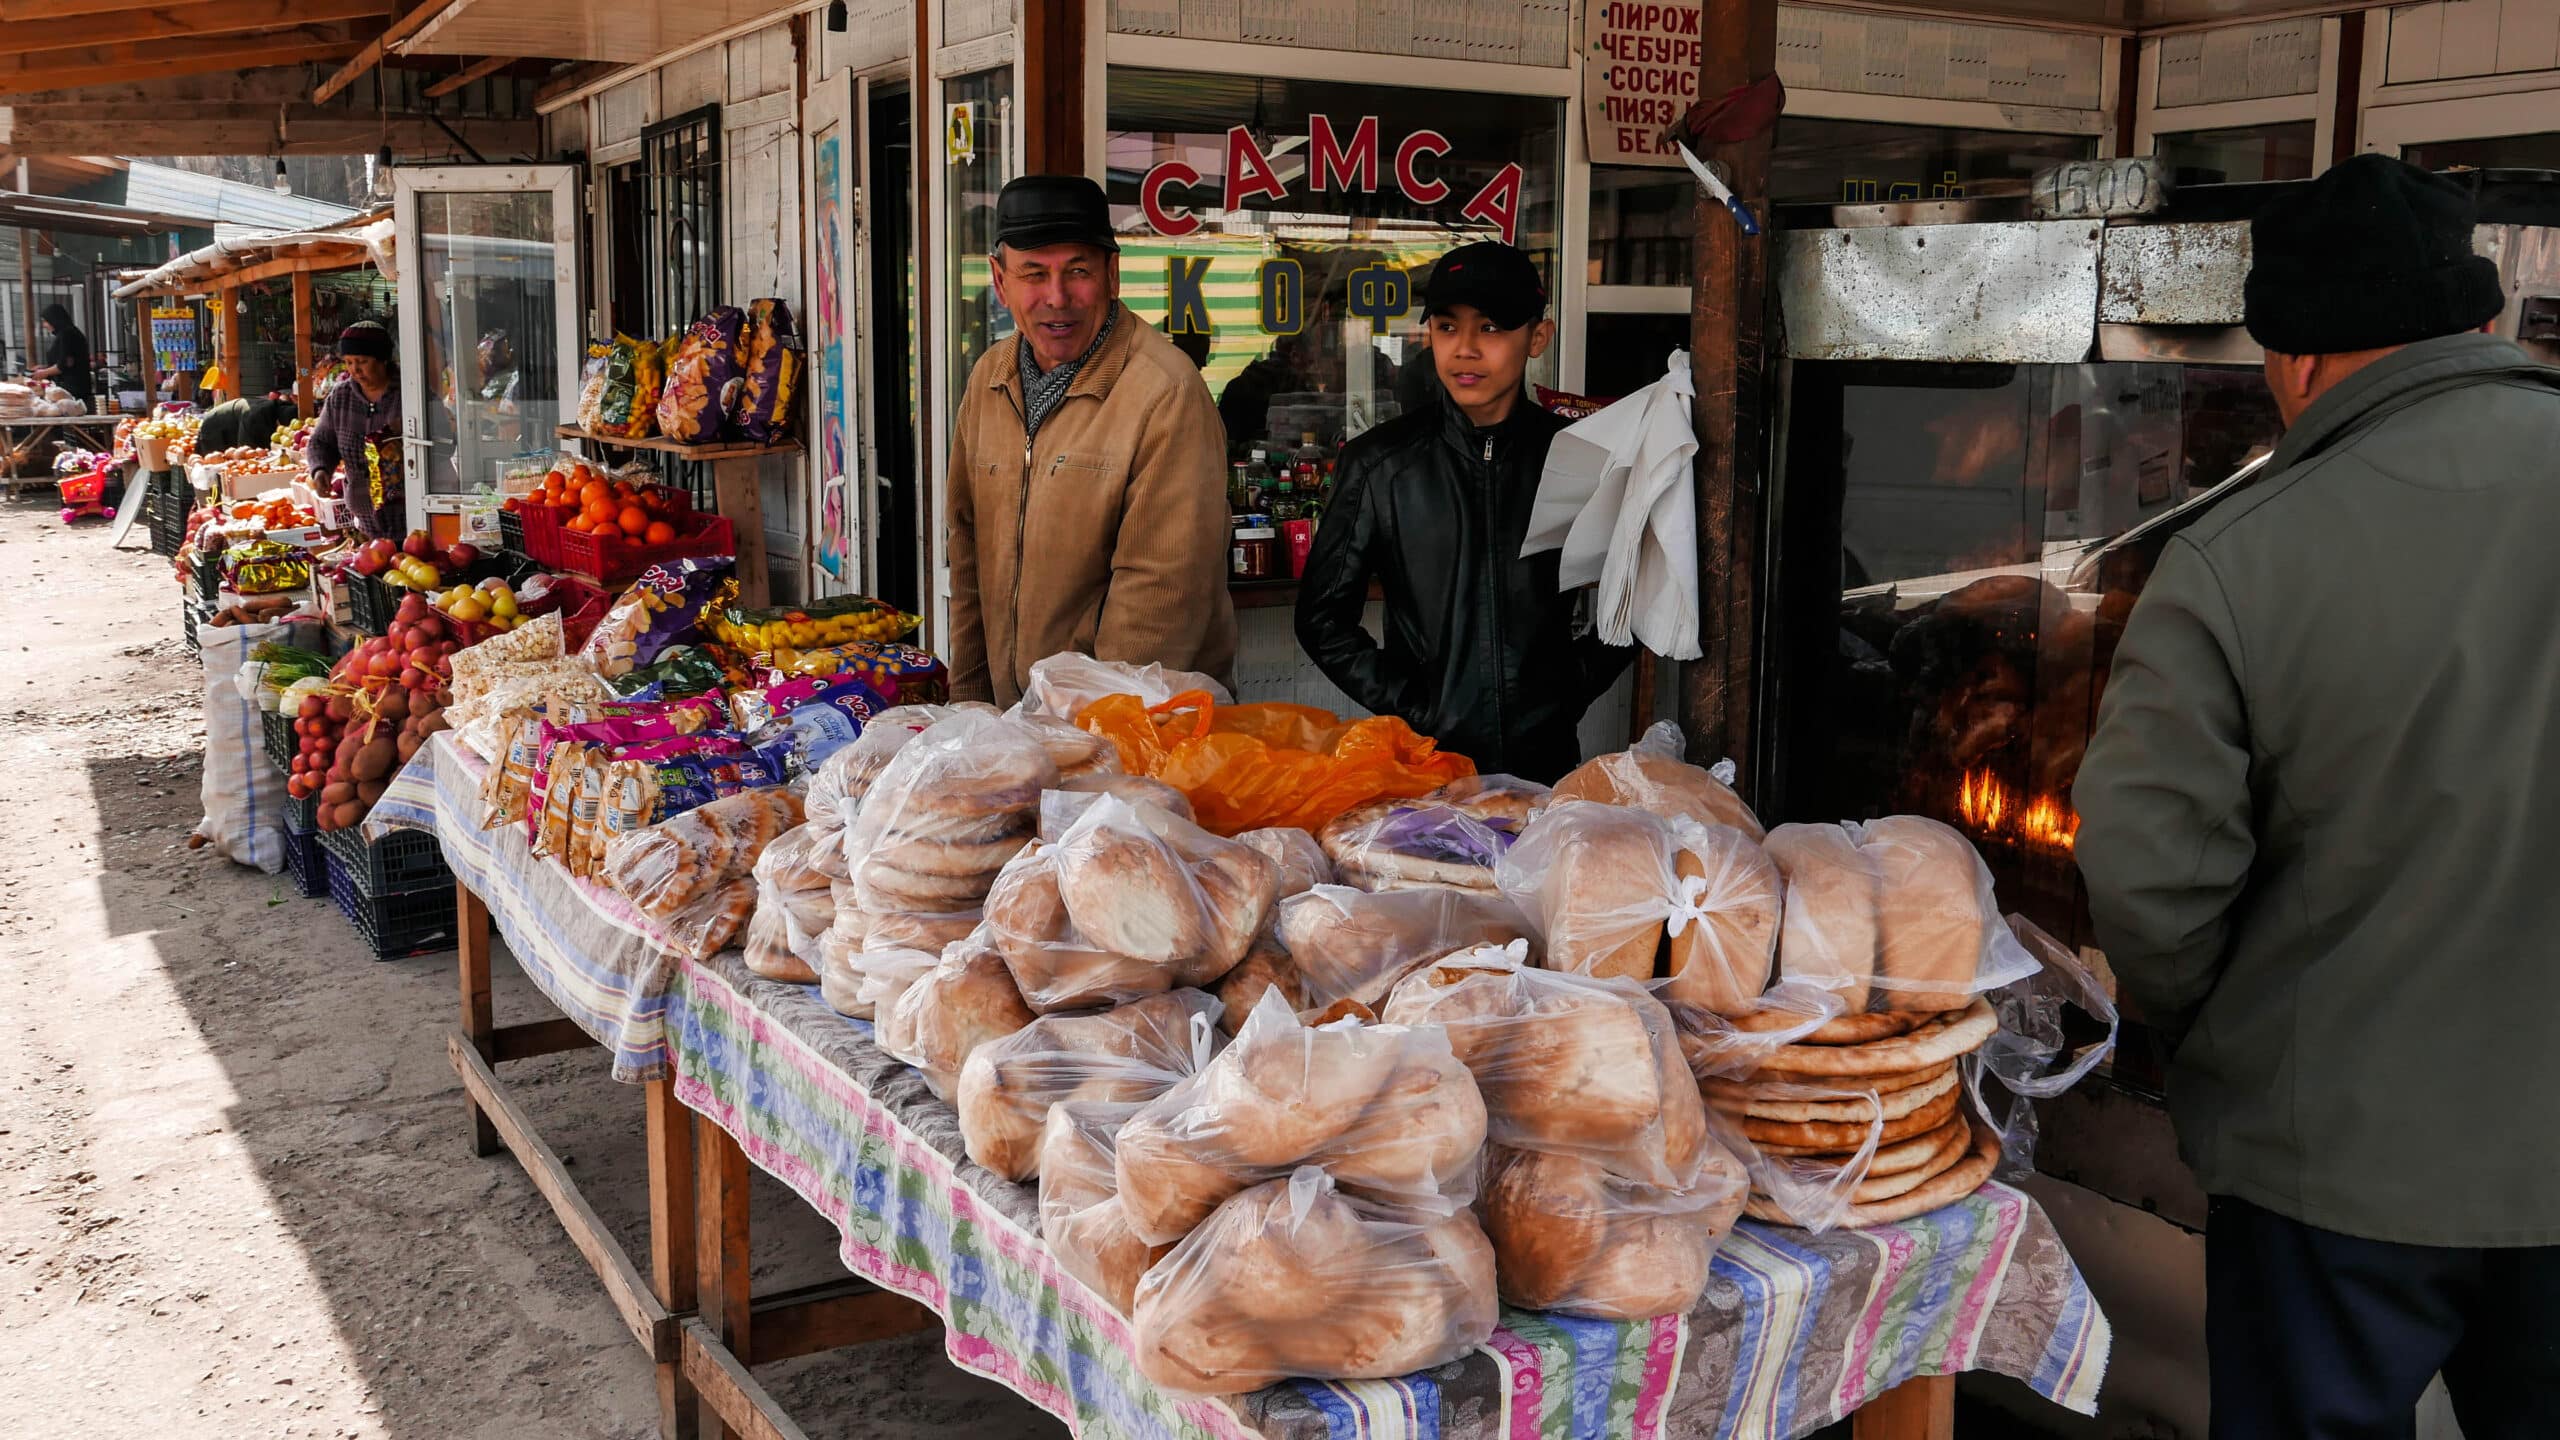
<point x="1088" y="499"/>
<point x="2321" y="836"/>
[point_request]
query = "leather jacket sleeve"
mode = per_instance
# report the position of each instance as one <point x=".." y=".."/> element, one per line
<point x="1334" y="591"/>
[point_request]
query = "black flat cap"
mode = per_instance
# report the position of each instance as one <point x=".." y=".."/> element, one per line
<point x="1038" y="210"/>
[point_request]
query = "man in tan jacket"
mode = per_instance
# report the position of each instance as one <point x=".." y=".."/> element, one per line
<point x="1088" y="499"/>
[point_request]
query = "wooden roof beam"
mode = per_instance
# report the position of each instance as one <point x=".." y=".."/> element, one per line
<point x="171" y="22"/>
<point x="407" y="23"/>
<point x="468" y="73"/>
<point x="16" y="10"/>
<point x="159" y="59"/>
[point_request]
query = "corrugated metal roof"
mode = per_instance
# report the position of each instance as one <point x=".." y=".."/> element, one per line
<point x="184" y="192"/>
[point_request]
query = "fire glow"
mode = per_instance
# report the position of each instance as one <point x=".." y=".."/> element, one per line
<point x="1992" y="811"/>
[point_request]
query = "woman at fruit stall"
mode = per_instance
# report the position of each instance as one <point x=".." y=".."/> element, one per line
<point x="365" y="407"/>
<point x="66" y="355"/>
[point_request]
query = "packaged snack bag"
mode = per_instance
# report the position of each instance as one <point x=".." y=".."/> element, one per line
<point x="692" y="405"/>
<point x="771" y="365"/>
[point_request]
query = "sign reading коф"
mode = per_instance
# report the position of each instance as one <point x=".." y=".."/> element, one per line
<point x="1639" y="73"/>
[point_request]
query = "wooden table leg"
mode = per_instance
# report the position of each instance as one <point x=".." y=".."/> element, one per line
<point x="1920" y="1408"/>
<point x="671" y="1244"/>
<point x="479" y="1015"/>
<point x="724" y="1293"/>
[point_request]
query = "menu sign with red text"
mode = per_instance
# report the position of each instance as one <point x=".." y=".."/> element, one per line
<point x="1640" y="60"/>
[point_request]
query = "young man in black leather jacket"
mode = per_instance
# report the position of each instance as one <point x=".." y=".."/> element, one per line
<point x="1432" y="507"/>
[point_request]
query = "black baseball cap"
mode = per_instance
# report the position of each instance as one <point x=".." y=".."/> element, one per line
<point x="1497" y="279"/>
<point x="1038" y="210"/>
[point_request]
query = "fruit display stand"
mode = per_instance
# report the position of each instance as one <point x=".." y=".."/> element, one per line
<point x="26" y="435"/>
<point x="736" y="496"/>
<point x="1795" y="1331"/>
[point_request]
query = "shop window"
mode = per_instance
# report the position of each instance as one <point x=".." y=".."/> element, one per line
<point x="2489" y="152"/>
<point x="1642" y="218"/>
<point x="680" y="222"/>
<point x="2237" y="156"/>
<point x="1625" y="353"/>
<point x="977" y="159"/>
<point x="1310" y="285"/>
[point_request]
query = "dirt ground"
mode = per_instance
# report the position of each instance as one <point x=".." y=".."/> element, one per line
<point x="237" y="1197"/>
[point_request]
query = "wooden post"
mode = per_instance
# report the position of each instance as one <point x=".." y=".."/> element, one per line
<point x="227" y="303"/>
<point x="302" y="343"/>
<point x="671" y="1245"/>
<point x="724" y="1292"/>
<point x="738" y="494"/>
<point x="479" y="1012"/>
<point x="1739" y="40"/>
<point x="1920" y="1408"/>
<point x="27" y="276"/>
<point x="150" y="355"/>
<point x="1053" y="87"/>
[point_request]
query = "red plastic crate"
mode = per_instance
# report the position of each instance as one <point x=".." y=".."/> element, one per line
<point x="541" y="535"/>
<point x="615" y="560"/>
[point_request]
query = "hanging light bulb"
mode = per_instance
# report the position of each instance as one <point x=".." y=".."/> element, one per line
<point x="283" y="186"/>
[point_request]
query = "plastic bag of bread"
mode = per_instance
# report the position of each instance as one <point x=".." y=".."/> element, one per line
<point x="769" y="953"/>
<point x="1336" y="943"/>
<point x="1570" y="1236"/>
<point x="1295" y="1277"/>
<point x="666" y="868"/>
<point x="1053" y="964"/>
<point x="862" y="984"/>
<point x="1651" y="776"/>
<point x="1620" y="892"/>
<point x="1063" y="684"/>
<point x="1859" y="1156"/>
<point x="1080" y="1215"/>
<point x="793" y="886"/>
<point x="1787" y="1013"/>
<point x="1895" y="913"/>
<point x="841" y="781"/>
<point x="1567" y="1064"/>
<point x="1061" y="807"/>
<point x="1387" y="1110"/>
<point x="947" y="811"/>
<point x="945" y="1014"/>
<point x="1130" y="1054"/>
<point x="1302" y="864"/>
<point x="1075" y="752"/>
<point x="1141" y="883"/>
<point x="1439" y="840"/>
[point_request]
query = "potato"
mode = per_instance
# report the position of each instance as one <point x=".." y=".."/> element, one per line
<point x="337" y="792"/>
<point x="368" y="791"/>
<point x="374" y="760"/>
<point x="348" y="816"/>
<point x="408" y="746"/>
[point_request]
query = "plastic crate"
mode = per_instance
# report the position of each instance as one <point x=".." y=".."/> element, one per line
<point x="400" y="861"/>
<point x="306" y="862"/>
<point x="191" y="616"/>
<point x="614" y="561"/>
<point x="302" y="816"/>
<point x="412" y="923"/>
<point x="370" y="603"/>
<point x="167" y="517"/>
<point x="533" y="533"/>
<point x="280" y="740"/>
<point x="208" y="578"/>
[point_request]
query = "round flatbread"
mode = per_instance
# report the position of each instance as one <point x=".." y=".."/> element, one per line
<point x="1756" y="1083"/>
<point x="1941" y="1037"/>
<point x="1949" y="1139"/>
<point x="1849" y="1135"/>
<point x="1944" y="1188"/>
<point x="1889" y="1158"/>
<point x="1755" y="1103"/>
<point x="1859" y="1029"/>
<point x="1885" y="1187"/>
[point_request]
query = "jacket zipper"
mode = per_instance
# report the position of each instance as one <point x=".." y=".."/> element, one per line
<point x="1021" y="518"/>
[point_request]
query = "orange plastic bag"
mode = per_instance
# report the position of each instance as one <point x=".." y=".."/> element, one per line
<point x="1245" y="767"/>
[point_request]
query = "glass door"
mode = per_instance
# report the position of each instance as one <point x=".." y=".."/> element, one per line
<point x="894" y="501"/>
<point x="488" y="325"/>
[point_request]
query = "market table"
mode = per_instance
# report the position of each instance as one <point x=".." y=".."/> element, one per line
<point x="100" y="429"/>
<point x="1794" y="1332"/>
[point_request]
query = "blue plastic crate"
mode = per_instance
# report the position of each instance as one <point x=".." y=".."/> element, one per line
<point x="416" y="923"/>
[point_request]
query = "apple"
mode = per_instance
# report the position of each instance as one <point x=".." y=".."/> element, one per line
<point x="462" y="555"/>
<point x="419" y="545"/>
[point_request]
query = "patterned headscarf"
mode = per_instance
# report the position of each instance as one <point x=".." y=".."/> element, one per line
<point x="1041" y="393"/>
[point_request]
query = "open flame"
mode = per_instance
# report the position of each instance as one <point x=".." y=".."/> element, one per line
<point x="1990" y="809"/>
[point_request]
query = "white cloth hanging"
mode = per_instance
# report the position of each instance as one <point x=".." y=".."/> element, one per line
<point x="1617" y="500"/>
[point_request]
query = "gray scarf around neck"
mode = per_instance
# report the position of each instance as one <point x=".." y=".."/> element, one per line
<point x="1042" y="393"/>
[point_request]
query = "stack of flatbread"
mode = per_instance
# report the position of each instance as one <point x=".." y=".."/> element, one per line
<point x="1815" y="1101"/>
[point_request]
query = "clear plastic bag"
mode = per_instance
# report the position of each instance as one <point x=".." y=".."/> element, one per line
<point x="1302" y="864"/>
<point x="863" y="984"/>
<point x="1620" y="892"/>
<point x="1152" y="887"/>
<point x="1080" y="1215"/>
<point x="1130" y="1054"/>
<point x="1075" y="752"/>
<point x="1452" y="838"/>
<point x="946" y="812"/>
<point x="946" y="1013"/>
<point x="1060" y="808"/>
<point x="1053" y="964"/>
<point x="1295" y="1277"/>
<point x="1569" y="1236"/>
<point x="1567" y="1064"/>
<point x="1387" y="1110"/>
<point x="769" y="952"/>
<point x="668" y="869"/>
<point x="1337" y="943"/>
<point x="1735" y="1045"/>
<point x="2031" y="1058"/>
<point x="1896" y="914"/>
<point x="1650" y="775"/>
<point x="1063" y="684"/>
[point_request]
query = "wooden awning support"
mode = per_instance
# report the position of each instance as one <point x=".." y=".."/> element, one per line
<point x="402" y="26"/>
<point x="468" y="73"/>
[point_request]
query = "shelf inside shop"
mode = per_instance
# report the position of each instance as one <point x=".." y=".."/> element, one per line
<point x="723" y="450"/>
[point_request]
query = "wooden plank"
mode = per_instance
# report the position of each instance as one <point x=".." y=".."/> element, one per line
<point x="1052" y="61"/>
<point x="577" y="77"/>
<point x="302" y="343"/>
<point x="738" y="494"/>
<point x="554" y="1036"/>
<point x="729" y="1391"/>
<point x="1920" y="1408"/>
<point x="48" y="68"/>
<point x="39" y="133"/>
<point x="468" y="73"/>
<point x="189" y="62"/>
<point x="671" y="1240"/>
<point x="14" y="11"/>
<point x="170" y="22"/>
<point x="723" y="1290"/>
<point x="479" y="1011"/>
<point x="649" y="1321"/>
<point x="402" y="26"/>
<point x="830" y="1317"/>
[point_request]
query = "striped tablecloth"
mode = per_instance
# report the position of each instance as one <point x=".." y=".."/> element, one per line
<point x="1795" y="1330"/>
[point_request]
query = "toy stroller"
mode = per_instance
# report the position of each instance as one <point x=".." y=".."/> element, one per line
<point x="85" y="496"/>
